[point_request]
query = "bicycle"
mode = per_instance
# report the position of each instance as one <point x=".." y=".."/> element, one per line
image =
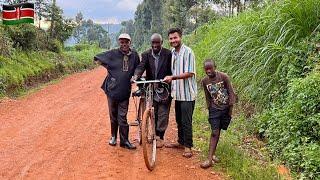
<point x="146" y="120"/>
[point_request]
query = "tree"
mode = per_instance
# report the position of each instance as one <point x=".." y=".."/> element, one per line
<point x="128" y="27"/>
<point x="41" y="7"/>
<point x="156" y="16"/>
<point x="89" y="32"/>
<point x="79" y="18"/>
<point x="60" y="28"/>
<point x="142" y="24"/>
<point x="78" y="31"/>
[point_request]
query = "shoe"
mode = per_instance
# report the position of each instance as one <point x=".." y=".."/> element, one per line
<point x="174" y="145"/>
<point x="113" y="141"/>
<point x="160" y="142"/>
<point x="215" y="159"/>
<point x="206" y="164"/>
<point x="127" y="145"/>
<point x="187" y="153"/>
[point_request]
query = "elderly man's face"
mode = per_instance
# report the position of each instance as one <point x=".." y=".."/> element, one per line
<point x="156" y="45"/>
<point x="124" y="45"/>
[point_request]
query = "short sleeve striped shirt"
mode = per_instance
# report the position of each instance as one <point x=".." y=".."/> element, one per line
<point x="182" y="62"/>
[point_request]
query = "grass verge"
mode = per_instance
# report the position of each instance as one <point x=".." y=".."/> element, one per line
<point x="241" y="155"/>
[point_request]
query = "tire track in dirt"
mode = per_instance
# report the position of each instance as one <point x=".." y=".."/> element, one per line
<point x="61" y="132"/>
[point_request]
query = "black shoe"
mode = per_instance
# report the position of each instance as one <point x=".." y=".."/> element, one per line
<point x="128" y="145"/>
<point x="113" y="141"/>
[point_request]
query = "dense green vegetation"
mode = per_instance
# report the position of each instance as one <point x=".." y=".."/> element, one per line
<point x="30" y="55"/>
<point x="272" y="58"/>
<point x="158" y="16"/>
<point x="86" y="31"/>
<point x="24" y="69"/>
<point x="271" y="53"/>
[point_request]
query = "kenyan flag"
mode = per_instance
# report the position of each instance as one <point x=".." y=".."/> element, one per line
<point x="18" y="13"/>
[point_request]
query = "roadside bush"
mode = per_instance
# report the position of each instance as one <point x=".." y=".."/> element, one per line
<point x="23" y="36"/>
<point x="292" y="126"/>
<point x="5" y="43"/>
<point x="55" y="46"/>
<point x="42" y="40"/>
<point x="81" y="47"/>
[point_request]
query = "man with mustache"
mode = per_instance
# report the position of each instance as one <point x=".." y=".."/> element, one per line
<point x="184" y="89"/>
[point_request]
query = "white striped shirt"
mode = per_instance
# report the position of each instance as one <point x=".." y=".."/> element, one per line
<point x="184" y="62"/>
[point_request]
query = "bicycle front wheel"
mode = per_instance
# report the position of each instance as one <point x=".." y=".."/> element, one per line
<point x="149" y="139"/>
<point x="142" y="107"/>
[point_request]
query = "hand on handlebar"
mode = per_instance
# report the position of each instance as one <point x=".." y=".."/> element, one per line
<point x="134" y="79"/>
<point x="168" y="79"/>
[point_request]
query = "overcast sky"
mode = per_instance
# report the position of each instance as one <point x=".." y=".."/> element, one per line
<point x="100" y="11"/>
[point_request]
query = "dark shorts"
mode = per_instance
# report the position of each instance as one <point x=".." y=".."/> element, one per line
<point x="219" y="119"/>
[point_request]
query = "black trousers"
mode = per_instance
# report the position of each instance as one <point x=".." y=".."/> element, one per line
<point x="161" y="111"/>
<point x="184" y="112"/>
<point x="118" y="111"/>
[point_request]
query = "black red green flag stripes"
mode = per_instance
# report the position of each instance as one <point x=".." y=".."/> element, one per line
<point x="18" y="13"/>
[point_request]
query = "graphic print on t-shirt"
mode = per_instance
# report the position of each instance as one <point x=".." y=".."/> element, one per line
<point x="218" y="93"/>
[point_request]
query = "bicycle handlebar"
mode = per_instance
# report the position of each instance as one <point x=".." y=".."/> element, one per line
<point x="149" y="81"/>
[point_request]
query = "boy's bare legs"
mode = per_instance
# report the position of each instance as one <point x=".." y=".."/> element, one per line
<point x="214" y="139"/>
<point x="213" y="143"/>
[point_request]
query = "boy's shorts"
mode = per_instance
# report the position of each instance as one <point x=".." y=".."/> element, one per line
<point x="219" y="119"/>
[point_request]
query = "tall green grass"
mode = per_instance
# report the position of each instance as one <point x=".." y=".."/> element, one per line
<point x="266" y="52"/>
<point x="250" y="47"/>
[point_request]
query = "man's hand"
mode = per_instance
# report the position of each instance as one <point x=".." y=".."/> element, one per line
<point x="97" y="62"/>
<point x="134" y="78"/>
<point x="230" y="111"/>
<point x="168" y="79"/>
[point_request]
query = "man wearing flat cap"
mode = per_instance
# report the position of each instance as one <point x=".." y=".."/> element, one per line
<point x="120" y="64"/>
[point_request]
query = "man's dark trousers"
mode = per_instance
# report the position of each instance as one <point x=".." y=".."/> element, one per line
<point x="184" y="111"/>
<point x="162" y="110"/>
<point x="118" y="117"/>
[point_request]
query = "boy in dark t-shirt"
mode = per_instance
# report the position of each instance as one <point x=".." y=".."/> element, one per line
<point x="220" y="98"/>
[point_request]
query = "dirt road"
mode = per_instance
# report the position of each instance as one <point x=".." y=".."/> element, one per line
<point x="60" y="132"/>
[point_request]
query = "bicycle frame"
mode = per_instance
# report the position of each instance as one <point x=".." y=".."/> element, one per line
<point x="148" y="124"/>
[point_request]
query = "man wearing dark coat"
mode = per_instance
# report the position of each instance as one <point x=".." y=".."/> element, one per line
<point x="120" y="64"/>
<point x="157" y="63"/>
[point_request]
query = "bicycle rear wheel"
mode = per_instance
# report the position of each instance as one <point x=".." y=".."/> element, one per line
<point x="149" y="139"/>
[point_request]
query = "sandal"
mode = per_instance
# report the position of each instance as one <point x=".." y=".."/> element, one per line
<point x="206" y="164"/>
<point x="187" y="154"/>
<point x="215" y="159"/>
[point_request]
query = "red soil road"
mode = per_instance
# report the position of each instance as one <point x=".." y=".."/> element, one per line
<point x="61" y="132"/>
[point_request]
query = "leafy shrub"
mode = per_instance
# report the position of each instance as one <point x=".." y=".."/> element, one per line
<point x="292" y="126"/>
<point x="5" y="43"/>
<point x="55" y="46"/>
<point x="23" y="36"/>
<point x="42" y="40"/>
<point x="81" y="47"/>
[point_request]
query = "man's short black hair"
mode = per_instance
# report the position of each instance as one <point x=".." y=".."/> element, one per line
<point x="210" y="61"/>
<point x="175" y="30"/>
